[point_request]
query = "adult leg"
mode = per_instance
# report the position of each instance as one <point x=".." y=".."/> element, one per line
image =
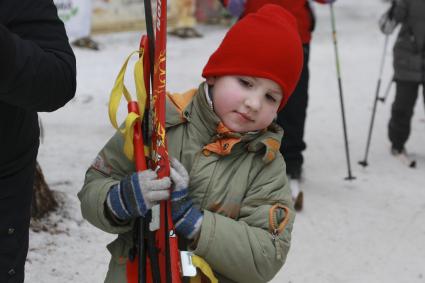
<point x="15" y="203"/>
<point x="292" y="120"/>
<point x="401" y="113"/>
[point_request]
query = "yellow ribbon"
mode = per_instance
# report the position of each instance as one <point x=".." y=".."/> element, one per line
<point x="202" y="265"/>
<point x="119" y="89"/>
<point x="127" y="131"/>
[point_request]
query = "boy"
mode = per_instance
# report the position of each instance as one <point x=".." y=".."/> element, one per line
<point x="409" y="62"/>
<point x="226" y="173"/>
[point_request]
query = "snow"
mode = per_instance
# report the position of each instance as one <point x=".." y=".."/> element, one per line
<point x="366" y="230"/>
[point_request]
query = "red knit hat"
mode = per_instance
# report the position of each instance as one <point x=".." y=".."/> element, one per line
<point x="264" y="44"/>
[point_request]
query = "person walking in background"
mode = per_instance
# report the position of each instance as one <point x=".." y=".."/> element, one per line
<point x="409" y="66"/>
<point x="37" y="73"/>
<point x="184" y="11"/>
<point x="292" y="118"/>
<point x="77" y="17"/>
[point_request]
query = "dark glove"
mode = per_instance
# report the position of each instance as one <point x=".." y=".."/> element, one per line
<point x="136" y="194"/>
<point x="187" y="218"/>
<point x="387" y="22"/>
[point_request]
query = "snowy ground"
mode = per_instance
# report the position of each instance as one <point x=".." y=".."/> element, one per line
<point x="367" y="230"/>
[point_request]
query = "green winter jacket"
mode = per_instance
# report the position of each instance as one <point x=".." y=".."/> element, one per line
<point x="234" y="191"/>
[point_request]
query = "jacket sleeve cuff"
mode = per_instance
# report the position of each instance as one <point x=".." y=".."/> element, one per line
<point x="207" y="234"/>
<point x="114" y="225"/>
<point x="112" y="219"/>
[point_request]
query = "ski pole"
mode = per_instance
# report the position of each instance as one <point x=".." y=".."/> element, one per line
<point x="151" y="36"/>
<point x="142" y="225"/>
<point x="375" y="102"/>
<point x="334" y="36"/>
<point x="387" y="91"/>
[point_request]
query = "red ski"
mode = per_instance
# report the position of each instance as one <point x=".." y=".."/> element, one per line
<point x="161" y="255"/>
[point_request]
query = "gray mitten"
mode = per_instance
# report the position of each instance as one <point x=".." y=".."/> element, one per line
<point x="136" y="194"/>
<point x="187" y="218"/>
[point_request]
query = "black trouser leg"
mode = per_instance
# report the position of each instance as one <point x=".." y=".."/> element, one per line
<point x="292" y="120"/>
<point x="402" y="112"/>
<point x="423" y="92"/>
<point x="15" y="204"/>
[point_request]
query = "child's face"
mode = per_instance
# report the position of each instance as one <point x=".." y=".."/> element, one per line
<point x="245" y="103"/>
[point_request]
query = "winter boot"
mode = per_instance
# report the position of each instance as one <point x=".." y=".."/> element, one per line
<point x="401" y="154"/>
<point x="185" y="32"/>
<point x="297" y="193"/>
<point x="86" y="42"/>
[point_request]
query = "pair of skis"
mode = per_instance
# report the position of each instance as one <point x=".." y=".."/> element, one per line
<point x="155" y="258"/>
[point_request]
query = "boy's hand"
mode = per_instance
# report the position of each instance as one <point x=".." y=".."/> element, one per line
<point x="179" y="175"/>
<point x="136" y="194"/>
<point x="186" y="217"/>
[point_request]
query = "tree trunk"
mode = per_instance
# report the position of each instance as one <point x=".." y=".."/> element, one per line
<point x="43" y="200"/>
